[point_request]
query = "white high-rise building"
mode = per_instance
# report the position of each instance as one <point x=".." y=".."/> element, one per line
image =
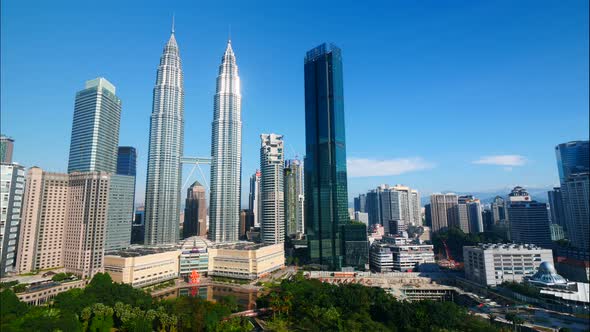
<point x="12" y="186"/>
<point x="272" y="196"/>
<point x="226" y="152"/>
<point x="399" y="203"/>
<point x="164" y="171"/>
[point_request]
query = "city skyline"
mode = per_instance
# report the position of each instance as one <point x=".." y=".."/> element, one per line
<point x="470" y="161"/>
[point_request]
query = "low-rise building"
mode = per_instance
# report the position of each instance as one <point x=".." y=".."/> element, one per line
<point x="194" y="256"/>
<point x="143" y="266"/>
<point x="380" y="257"/>
<point x="387" y="257"/>
<point x="245" y="260"/>
<point x="492" y="264"/>
<point x="408" y="257"/>
<point x="43" y="293"/>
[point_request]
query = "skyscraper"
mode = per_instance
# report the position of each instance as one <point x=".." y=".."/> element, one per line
<point x="195" y="211"/>
<point x="254" y="197"/>
<point x="470" y="214"/>
<point x="529" y="220"/>
<point x="120" y="212"/>
<point x="577" y="196"/>
<point x="6" y="148"/>
<point x="444" y="211"/>
<point x="572" y="157"/>
<point x="164" y="172"/>
<point x="42" y="228"/>
<point x="85" y="229"/>
<point x="294" y="197"/>
<point x="373" y="206"/>
<point x="555" y="200"/>
<point x="573" y="165"/>
<point x="12" y="184"/>
<point x="326" y="192"/>
<point x="95" y="129"/>
<point x="126" y="160"/>
<point x="499" y="213"/>
<point x="360" y="203"/>
<point x="272" y="221"/>
<point x="226" y="152"/>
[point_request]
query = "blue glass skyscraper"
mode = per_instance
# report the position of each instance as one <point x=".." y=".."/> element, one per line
<point x="326" y="193"/>
<point x="574" y="176"/>
<point x="572" y="157"/>
<point x="126" y="160"/>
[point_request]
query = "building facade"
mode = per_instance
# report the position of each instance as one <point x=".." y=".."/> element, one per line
<point x="43" y="221"/>
<point x="164" y="171"/>
<point x="360" y="203"/>
<point x="492" y="264"/>
<point x="195" y="211"/>
<point x="95" y="129"/>
<point x="142" y="266"/>
<point x="272" y="195"/>
<point x="555" y="200"/>
<point x="12" y="186"/>
<point x="326" y="191"/>
<point x="577" y="196"/>
<point x="294" y="198"/>
<point x="245" y="260"/>
<point x="120" y="212"/>
<point x="529" y="220"/>
<point x="254" y="196"/>
<point x="444" y="211"/>
<point x="226" y="152"/>
<point x="86" y="220"/>
<point x="6" y="149"/>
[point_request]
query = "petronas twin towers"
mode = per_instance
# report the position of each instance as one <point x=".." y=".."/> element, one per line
<point x="164" y="174"/>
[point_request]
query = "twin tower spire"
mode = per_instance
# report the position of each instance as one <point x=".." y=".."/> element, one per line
<point x="166" y="146"/>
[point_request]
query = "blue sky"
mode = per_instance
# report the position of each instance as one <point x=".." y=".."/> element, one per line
<point x="453" y="95"/>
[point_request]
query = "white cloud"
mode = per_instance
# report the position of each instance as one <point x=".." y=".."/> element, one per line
<point x="358" y="167"/>
<point x="502" y="160"/>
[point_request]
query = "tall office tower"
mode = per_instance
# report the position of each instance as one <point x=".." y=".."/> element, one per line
<point x="555" y="200"/>
<point x="488" y="220"/>
<point x="410" y="204"/>
<point x="475" y="216"/>
<point x="246" y="222"/>
<point x="427" y="215"/>
<point x="272" y="195"/>
<point x="392" y="202"/>
<point x="95" y="130"/>
<point x="254" y="196"/>
<point x="294" y="198"/>
<point x="326" y="192"/>
<point x="577" y="189"/>
<point x="12" y="185"/>
<point x="529" y="221"/>
<point x="138" y="226"/>
<point x="164" y="172"/>
<point x="126" y="160"/>
<point x="572" y="157"/>
<point x="120" y="212"/>
<point x="360" y="203"/>
<point x="444" y="211"/>
<point x="6" y="149"/>
<point x="470" y="214"/>
<point x="499" y="213"/>
<point x="45" y="207"/>
<point x="85" y="229"/>
<point x="464" y="212"/>
<point x="373" y="207"/>
<point x="416" y="209"/>
<point x="573" y="165"/>
<point x="195" y="211"/>
<point x="226" y="152"/>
